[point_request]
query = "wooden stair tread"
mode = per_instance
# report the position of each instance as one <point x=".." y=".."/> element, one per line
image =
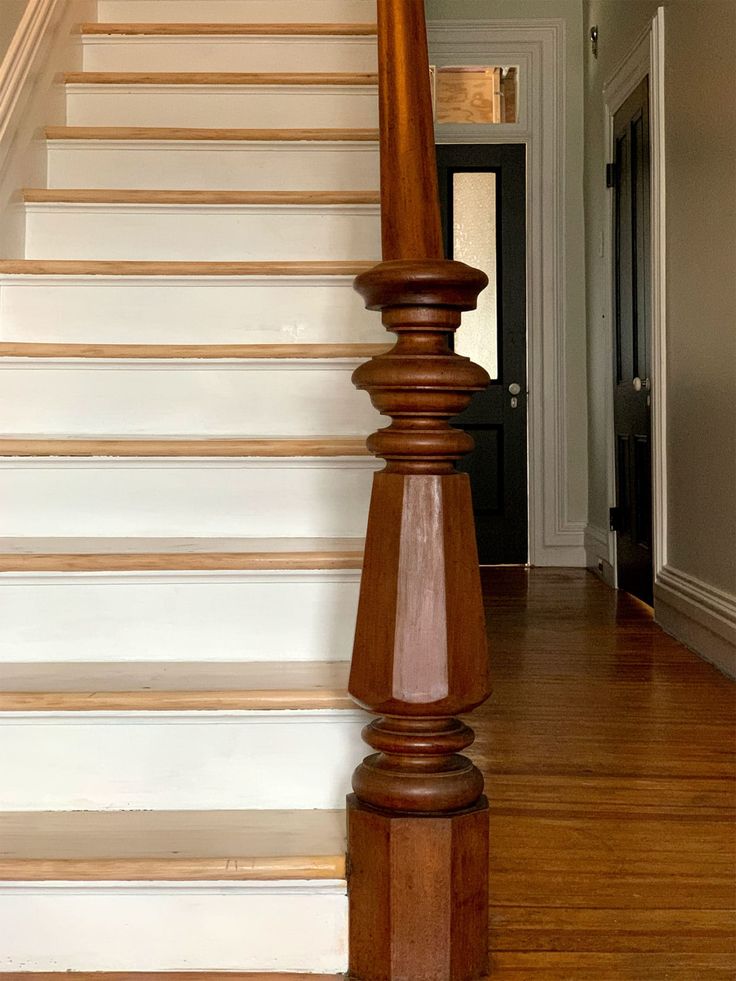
<point x="245" y="352"/>
<point x="178" y="554"/>
<point x="221" y="78"/>
<point x="172" y="845"/>
<point x="159" y="687"/>
<point x="178" y="29"/>
<point x="182" y="446"/>
<point x="115" y="267"/>
<point x="157" y="133"/>
<point x="124" y="196"/>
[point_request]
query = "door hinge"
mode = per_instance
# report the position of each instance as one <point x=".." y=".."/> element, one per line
<point x="615" y="516"/>
<point x="611" y="175"/>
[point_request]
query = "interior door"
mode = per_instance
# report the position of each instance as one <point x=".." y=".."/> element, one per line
<point x="483" y="195"/>
<point x="632" y="516"/>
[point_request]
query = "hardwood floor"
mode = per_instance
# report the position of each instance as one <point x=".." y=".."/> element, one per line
<point x="608" y="751"/>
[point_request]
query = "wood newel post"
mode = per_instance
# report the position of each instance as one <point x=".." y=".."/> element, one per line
<point x="417" y="820"/>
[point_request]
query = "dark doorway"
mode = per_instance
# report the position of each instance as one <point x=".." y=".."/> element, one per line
<point x="483" y="195"/>
<point x="632" y="516"/>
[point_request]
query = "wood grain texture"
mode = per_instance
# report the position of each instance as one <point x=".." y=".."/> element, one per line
<point x="11" y="349"/>
<point x="143" y="687"/>
<point x="105" y="196"/>
<point x="172" y="845"/>
<point x="208" y="29"/>
<point x="172" y="554"/>
<point x="174" y="133"/>
<point x="418" y="825"/>
<point x="333" y="446"/>
<point x="609" y="752"/>
<point x="411" y="226"/>
<point x="114" y="267"/>
<point x="220" y="78"/>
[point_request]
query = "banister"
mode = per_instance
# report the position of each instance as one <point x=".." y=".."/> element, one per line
<point x="417" y="820"/>
<point x="410" y="204"/>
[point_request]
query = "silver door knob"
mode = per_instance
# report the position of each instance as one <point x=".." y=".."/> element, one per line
<point x="515" y="388"/>
<point x="639" y="384"/>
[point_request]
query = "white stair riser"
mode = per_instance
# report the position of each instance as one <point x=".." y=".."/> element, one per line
<point x="185" y="498"/>
<point x="178" y="761"/>
<point x="238" y="11"/>
<point x="229" y="54"/>
<point x="184" y="399"/>
<point x="211" y="233"/>
<point x="182" y="616"/>
<point x="223" y="106"/>
<point x="219" y="166"/>
<point x="188" y="310"/>
<point x="159" y="927"/>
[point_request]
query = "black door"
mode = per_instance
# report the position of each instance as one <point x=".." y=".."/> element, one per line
<point x="483" y="195"/>
<point x="632" y="516"/>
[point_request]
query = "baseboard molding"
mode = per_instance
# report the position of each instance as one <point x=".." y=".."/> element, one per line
<point x="699" y="615"/>
<point x="597" y="554"/>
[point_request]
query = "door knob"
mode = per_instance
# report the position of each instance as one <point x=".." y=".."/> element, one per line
<point x="639" y="384"/>
<point x="515" y="388"/>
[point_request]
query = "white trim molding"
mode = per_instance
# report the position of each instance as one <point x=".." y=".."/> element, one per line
<point x="699" y="615"/>
<point x="646" y="58"/>
<point x="597" y="557"/>
<point x="538" y="47"/>
<point x="21" y="59"/>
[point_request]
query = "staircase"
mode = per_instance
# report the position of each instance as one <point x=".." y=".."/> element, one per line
<point x="184" y="490"/>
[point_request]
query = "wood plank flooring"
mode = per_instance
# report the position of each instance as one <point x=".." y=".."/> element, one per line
<point x="608" y="751"/>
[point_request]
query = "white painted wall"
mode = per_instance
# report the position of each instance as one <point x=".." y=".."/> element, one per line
<point x="573" y="300"/>
<point x="699" y="564"/>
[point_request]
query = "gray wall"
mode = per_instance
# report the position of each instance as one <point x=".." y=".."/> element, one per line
<point x="11" y="12"/>
<point x="571" y="12"/>
<point x="700" y="149"/>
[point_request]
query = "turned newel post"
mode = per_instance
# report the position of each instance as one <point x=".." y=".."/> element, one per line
<point x="417" y="820"/>
<point x="418" y="823"/>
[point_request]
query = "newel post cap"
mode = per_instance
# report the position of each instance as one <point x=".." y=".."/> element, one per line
<point x="421" y="282"/>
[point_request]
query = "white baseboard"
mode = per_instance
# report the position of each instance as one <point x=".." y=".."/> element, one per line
<point x="699" y="615"/>
<point x="598" y="554"/>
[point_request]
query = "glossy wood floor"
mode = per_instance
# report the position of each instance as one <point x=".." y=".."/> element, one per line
<point x="608" y="751"/>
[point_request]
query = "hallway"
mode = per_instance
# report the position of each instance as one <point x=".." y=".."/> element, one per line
<point x="608" y="752"/>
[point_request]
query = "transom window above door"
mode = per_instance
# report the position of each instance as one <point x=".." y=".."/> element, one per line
<point x="475" y="94"/>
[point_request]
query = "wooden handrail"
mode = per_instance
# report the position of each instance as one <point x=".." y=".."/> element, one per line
<point x="417" y="820"/>
<point x="410" y="225"/>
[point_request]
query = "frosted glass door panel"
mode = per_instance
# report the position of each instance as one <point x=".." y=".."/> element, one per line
<point x="474" y="242"/>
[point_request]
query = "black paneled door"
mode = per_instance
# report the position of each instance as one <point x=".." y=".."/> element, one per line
<point x="483" y="194"/>
<point x="632" y="516"/>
